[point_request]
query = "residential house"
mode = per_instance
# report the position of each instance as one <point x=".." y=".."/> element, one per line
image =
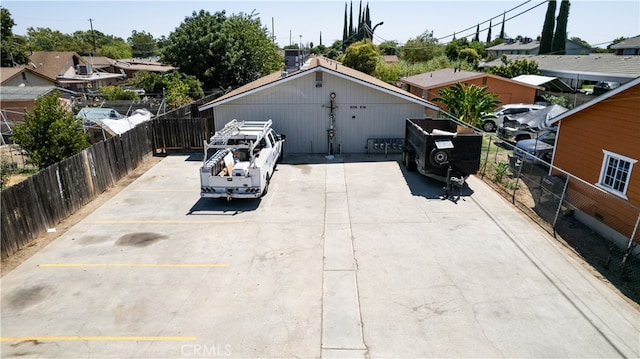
<point x="528" y="46"/>
<point x="69" y="70"/>
<point x="22" y="76"/>
<point x="130" y="67"/>
<point x="630" y="46"/>
<point x="599" y="142"/>
<point x="428" y="84"/>
<point x="323" y="106"/>
<point x="390" y="59"/>
<point x="16" y="100"/>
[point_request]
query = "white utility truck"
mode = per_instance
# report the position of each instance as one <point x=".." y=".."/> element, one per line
<point x="246" y="154"/>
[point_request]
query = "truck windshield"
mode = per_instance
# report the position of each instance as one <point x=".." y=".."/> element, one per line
<point x="548" y="137"/>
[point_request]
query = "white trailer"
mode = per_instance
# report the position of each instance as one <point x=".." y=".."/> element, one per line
<point x="245" y="157"/>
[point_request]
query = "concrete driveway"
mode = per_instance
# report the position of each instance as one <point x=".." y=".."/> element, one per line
<point x="350" y="257"/>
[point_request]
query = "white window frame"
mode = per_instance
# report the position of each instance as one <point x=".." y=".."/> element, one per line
<point x="603" y="172"/>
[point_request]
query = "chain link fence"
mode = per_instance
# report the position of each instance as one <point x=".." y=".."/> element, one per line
<point x="600" y="226"/>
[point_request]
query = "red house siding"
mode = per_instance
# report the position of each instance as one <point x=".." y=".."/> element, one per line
<point x="613" y="125"/>
<point x="507" y="92"/>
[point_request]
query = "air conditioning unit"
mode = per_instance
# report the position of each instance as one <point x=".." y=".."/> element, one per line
<point x="84" y="70"/>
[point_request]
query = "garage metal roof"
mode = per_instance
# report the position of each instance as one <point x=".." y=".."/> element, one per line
<point x="552" y="83"/>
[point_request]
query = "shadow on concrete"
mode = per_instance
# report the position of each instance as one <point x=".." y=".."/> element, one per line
<point x="222" y="207"/>
<point x="430" y="188"/>
<point x="195" y="157"/>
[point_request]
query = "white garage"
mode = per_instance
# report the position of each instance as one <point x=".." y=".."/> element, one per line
<point x="324" y="107"/>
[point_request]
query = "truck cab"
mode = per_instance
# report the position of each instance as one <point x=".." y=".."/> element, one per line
<point x="245" y="157"/>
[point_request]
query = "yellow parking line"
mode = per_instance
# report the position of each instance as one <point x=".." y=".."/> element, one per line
<point x="168" y="190"/>
<point x="94" y="338"/>
<point x="167" y="221"/>
<point x="172" y="265"/>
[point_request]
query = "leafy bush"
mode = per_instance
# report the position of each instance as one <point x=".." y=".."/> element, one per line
<point x="112" y="93"/>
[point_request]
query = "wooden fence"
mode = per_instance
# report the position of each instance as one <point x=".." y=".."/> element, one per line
<point x="41" y="201"/>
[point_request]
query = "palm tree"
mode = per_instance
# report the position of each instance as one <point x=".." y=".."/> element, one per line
<point x="469" y="103"/>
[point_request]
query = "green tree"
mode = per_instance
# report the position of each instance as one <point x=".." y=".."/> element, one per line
<point x="558" y="100"/>
<point x="222" y="51"/>
<point x="114" y="93"/>
<point x="12" y="49"/>
<point x="319" y="50"/>
<point x="115" y="50"/>
<point x="547" y="29"/>
<point x="45" y="39"/>
<point x="388" y="48"/>
<point x="142" y="44"/>
<point x="469" y="103"/>
<point x="361" y="56"/>
<point x="179" y="89"/>
<point x="454" y="46"/>
<point x="515" y="68"/>
<point x="558" y="44"/>
<point x="50" y="133"/>
<point x="423" y="48"/>
<point x="82" y="42"/>
<point x="469" y="55"/>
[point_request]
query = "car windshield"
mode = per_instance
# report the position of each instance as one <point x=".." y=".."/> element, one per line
<point x="548" y="137"/>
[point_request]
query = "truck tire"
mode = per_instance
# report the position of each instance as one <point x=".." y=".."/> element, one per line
<point x="439" y="158"/>
<point x="281" y="155"/>
<point x="266" y="186"/>
<point x="409" y="160"/>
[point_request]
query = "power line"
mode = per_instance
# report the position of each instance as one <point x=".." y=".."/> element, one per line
<point x="495" y="17"/>
<point x="474" y="27"/>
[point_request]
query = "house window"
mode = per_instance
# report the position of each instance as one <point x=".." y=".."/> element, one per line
<point x="616" y="173"/>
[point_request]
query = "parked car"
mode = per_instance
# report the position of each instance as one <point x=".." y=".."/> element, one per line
<point x="604" y="86"/>
<point x="509" y="112"/>
<point x="541" y="147"/>
<point x="513" y="131"/>
<point x="531" y="125"/>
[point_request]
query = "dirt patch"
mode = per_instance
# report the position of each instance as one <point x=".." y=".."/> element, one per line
<point x="10" y="263"/>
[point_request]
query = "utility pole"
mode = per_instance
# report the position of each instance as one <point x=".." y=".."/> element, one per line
<point x="93" y="35"/>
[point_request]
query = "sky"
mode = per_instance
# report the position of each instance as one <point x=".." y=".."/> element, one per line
<point x="596" y="22"/>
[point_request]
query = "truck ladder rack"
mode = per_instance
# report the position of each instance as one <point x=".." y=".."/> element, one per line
<point x="235" y="127"/>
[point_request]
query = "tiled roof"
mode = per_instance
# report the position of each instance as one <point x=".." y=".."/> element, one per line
<point x="445" y="77"/>
<point x="515" y="46"/>
<point x="7" y="73"/>
<point x="592" y="63"/>
<point x="322" y="64"/>
<point x="53" y="63"/>
<point x="98" y="61"/>
<point x="390" y="58"/>
<point x="26" y="93"/>
<point x="630" y="43"/>
<point x="439" y="77"/>
<point x="152" y="67"/>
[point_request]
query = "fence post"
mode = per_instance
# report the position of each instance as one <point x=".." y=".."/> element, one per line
<point x="564" y="191"/>
<point x="486" y="158"/>
<point x="515" y="186"/>
<point x="631" y="246"/>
